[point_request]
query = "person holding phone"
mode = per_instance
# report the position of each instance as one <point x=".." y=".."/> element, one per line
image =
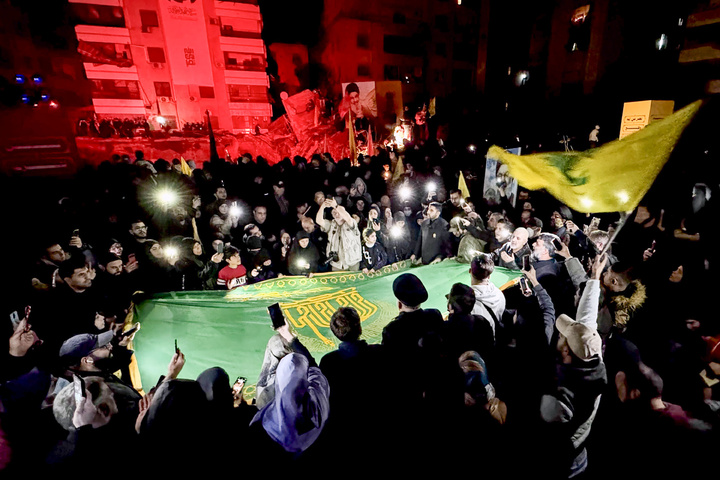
<point x="279" y="345"/>
<point x="511" y="254"/>
<point x="343" y="237"/>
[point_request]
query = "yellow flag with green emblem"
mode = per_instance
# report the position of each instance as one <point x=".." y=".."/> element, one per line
<point x="611" y="178"/>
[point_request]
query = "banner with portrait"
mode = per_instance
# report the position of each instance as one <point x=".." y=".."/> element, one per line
<point x="498" y="182"/>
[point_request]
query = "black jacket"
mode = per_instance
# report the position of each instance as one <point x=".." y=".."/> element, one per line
<point x="434" y="241"/>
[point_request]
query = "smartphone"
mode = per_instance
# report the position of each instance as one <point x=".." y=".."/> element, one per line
<point x="80" y="393"/>
<point x="15" y="320"/>
<point x="558" y="244"/>
<point x="276" y="315"/>
<point x="177" y="350"/>
<point x="238" y="386"/>
<point x="134" y="329"/>
<point x="219" y="247"/>
<point x="132" y="258"/>
<point x="76" y="232"/>
<point x="526" y="262"/>
<point x="524" y="285"/>
<point x="652" y="247"/>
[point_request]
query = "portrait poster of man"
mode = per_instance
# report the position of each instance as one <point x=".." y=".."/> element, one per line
<point x="360" y="103"/>
<point x="498" y="183"/>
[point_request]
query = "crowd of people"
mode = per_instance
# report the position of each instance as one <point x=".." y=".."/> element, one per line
<point x="602" y="361"/>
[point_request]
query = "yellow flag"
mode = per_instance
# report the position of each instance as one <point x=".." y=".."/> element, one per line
<point x="462" y="186"/>
<point x="611" y="178"/>
<point x="431" y="108"/>
<point x="351" y="140"/>
<point x="185" y="168"/>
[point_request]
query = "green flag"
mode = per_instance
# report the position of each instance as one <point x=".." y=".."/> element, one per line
<point x="231" y="329"/>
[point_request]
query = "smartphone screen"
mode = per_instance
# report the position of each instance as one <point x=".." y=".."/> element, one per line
<point x="177" y="350"/>
<point x="239" y="385"/>
<point x="276" y="315"/>
<point x="219" y="247"/>
<point x="79" y="384"/>
<point x="526" y="262"/>
<point x="558" y="244"/>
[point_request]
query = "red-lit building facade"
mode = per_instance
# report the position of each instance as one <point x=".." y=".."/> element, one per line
<point x="175" y="59"/>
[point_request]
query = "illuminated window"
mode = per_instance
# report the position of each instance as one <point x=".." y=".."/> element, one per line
<point x="156" y="55"/>
<point x="163" y="89"/>
<point x="207" y="92"/>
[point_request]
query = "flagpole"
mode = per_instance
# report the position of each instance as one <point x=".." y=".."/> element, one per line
<point x="621" y="223"/>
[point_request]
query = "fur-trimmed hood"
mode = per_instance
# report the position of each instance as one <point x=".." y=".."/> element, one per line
<point x="624" y="304"/>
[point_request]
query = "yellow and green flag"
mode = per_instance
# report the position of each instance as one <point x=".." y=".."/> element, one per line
<point x="611" y="178"/>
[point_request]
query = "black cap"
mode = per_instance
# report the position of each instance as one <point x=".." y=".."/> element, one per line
<point x="253" y="243"/>
<point x="302" y="234"/>
<point x="409" y="290"/>
<point x="462" y="298"/>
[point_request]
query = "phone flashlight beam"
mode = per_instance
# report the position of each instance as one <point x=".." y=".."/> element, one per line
<point x="167" y="197"/>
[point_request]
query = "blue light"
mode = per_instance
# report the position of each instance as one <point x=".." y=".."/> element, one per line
<point x="25" y="99"/>
<point x="44" y="97"/>
<point x="19" y="78"/>
<point x="37" y="79"/>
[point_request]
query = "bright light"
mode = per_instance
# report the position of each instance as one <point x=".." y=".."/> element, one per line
<point x="405" y="192"/>
<point x="161" y="120"/>
<point x="386" y="175"/>
<point x="586" y="202"/>
<point x="235" y="210"/>
<point x="37" y="79"/>
<point x="396" y="231"/>
<point x="472" y="148"/>
<point x="623" y="196"/>
<point x="19" y="78"/>
<point x="171" y="252"/>
<point x="431" y="187"/>
<point x="661" y="42"/>
<point x="54" y="104"/>
<point x="25" y="99"/>
<point x="302" y="264"/>
<point x="167" y="197"/>
<point x="44" y="97"/>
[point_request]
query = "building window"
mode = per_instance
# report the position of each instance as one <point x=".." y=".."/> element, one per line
<point x="99" y="15"/>
<point x="156" y="55"/>
<point x="363" y="70"/>
<point x="122" y="89"/>
<point x="392" y="72"/>
<point x="105" y="53"/>
<point x="247" y="93"/>
<point x="398" y="18"/>
<point x="441" y="49"/>
<point x="244" y="61"/>
<point x="149" y="19"/>
<point x="207" y="92"/>
<point x="163" y="89"/>
<point x="363" y="41"/>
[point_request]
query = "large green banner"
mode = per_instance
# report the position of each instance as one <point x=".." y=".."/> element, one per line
<point x="231" y="329"/>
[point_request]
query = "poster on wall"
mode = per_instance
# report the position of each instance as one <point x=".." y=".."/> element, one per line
<point x="498" y="183"/>
<point x="359" y="101"/>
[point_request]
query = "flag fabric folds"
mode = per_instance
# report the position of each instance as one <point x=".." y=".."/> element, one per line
<point x="611" y="178"/>
<point x="462" y="186"/>
<point x="351" y="140"/>
<point x="185" y="168"/>
<point x="231" y="329"/>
